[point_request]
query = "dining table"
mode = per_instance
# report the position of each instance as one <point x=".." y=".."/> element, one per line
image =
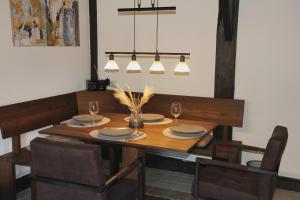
<point x="131" y="149"/>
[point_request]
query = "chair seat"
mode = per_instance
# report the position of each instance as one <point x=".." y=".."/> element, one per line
<point x="124" y="189"/>
<point x="221" y="183"/>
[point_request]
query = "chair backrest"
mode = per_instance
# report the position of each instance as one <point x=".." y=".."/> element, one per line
<point x="64" y="164"/>
<point x="275" y="149"/>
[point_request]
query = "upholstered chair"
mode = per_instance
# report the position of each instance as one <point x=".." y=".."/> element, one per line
<point x="67" y="171"/>
<point x="224" y="181"/>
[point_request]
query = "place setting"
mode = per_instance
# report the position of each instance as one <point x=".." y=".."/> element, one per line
<point x="153" y="119"/>
<point x="124" y="134"/>
<point x="183" y="131"/>
<point x="88" y="120"/>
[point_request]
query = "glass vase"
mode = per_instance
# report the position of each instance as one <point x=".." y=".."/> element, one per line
<point x="136" y="119"/>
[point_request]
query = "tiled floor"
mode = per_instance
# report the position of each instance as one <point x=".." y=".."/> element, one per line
<point x="176" y="186"/>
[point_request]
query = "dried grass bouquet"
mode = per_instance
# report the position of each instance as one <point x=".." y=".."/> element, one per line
<point x="133" y="101"/>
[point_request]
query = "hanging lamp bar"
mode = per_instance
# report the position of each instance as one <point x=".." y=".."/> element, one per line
<point x="168" y="8"/>
<point x="146" y="53"/>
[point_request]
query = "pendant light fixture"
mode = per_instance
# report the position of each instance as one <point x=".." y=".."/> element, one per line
<point x="111" y="64"/>
<point x="134" y="66"/>
<point x="182" y="67"/>
<point x="157" y="66"/>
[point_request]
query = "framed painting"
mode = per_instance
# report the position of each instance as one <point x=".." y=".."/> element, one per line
<point x="45" y="22"/>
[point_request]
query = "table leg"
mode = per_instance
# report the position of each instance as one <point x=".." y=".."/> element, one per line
<point x="129" y="154"/>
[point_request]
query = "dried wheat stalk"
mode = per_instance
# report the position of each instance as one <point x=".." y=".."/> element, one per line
<point x="132" y="101"/>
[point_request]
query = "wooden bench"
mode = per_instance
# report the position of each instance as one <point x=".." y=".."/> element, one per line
<point x="21" y="118"/>
<point x="18" y="119"/>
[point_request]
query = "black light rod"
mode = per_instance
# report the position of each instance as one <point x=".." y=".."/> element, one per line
<point x="169" y="8"/>
<point x="148" y="53"/>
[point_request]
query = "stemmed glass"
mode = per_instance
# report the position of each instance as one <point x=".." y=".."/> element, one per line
<point x="176" y="110"/>
<point x="93" y="109"/>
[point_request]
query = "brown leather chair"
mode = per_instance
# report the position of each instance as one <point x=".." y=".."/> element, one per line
<point x="222" y="180"/>
<point x="65" y="171"/>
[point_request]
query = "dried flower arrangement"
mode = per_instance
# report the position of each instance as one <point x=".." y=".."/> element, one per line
<point x="132" y="101"/>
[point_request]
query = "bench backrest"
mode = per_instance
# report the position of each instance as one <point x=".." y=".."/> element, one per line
<point x="226" y="112"/>
<point x="23" y="117"/>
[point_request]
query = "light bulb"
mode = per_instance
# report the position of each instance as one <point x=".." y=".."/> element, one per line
<point x="111" y="64"/>
<point x="157" y="66"/>
<point x="133" y="66"/>
<point x="182" y="67"/>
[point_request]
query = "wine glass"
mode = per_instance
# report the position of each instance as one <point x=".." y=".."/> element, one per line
<point x="175" y="110"/>
<point x="93" y="109"/>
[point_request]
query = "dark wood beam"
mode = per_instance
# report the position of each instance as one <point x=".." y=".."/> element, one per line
<point x="93" y="39"/>
<point x="226" y="56"/>
<point x="226" y="12"/>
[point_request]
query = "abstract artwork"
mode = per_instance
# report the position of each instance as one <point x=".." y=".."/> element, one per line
<point x="45" y="22"/>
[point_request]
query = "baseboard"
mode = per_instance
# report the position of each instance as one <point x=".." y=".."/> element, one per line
<point x="22" y="183"/>
<point x="288" y="183"/>
<point x="171" y="164"/>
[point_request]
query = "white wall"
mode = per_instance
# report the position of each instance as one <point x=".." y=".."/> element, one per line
<point x="192" y="29"/>
<point x="34" y="72"/>
<point x="267" y="74"/>
<point x="267" y="60"/>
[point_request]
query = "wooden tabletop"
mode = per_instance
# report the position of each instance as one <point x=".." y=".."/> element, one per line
<point x="154" y="140"/>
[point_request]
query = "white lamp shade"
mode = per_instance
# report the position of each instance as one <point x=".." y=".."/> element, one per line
<point x="111" y="65"/>
<point x="182" y="67"/>
<point x="157" y="66"/>
<point x="133" y="66"/>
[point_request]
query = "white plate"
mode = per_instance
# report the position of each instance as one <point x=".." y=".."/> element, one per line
<point x="76" y="124"/>
<point x="116" y="131"/>
<point x="167" y="132"/>
<point x="86" y="118"/>
<point x="128" y="138"/>
<point x="161" y="122"/>
<point x="149" y="117"/>
<point x="187" y="128"/>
